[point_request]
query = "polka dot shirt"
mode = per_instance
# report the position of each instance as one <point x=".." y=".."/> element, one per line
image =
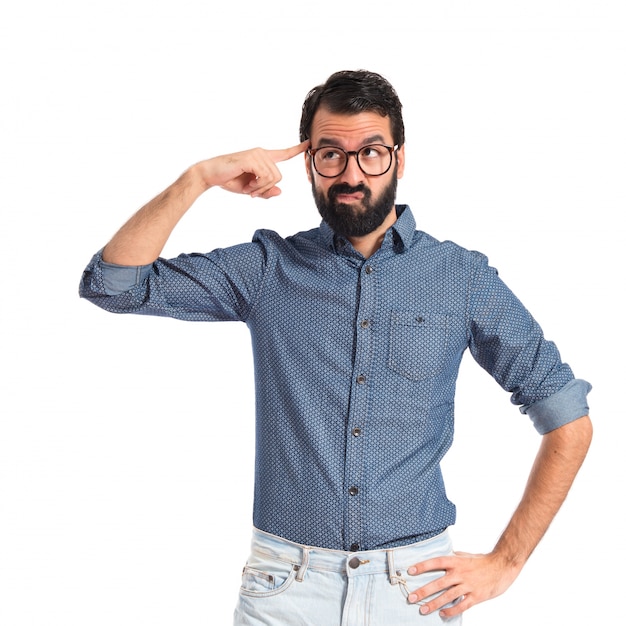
<point x="356" y="362"/>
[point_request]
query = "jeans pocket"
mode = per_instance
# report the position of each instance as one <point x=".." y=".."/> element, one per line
<point x="272" y="579"/>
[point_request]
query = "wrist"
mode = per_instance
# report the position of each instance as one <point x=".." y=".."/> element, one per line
<point x="199" y="176"/>
<point x="508" y="556"/>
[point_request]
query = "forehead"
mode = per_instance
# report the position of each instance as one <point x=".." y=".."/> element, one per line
<point x="346" y="130"/>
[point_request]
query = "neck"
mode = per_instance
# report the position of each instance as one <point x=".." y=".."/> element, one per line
<point x="370" y="243"/>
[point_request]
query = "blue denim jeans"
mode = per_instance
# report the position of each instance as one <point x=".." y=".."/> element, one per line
<point x="295" y="585"/>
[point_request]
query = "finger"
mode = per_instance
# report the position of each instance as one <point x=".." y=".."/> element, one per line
<point x="456" y="609"/>
<point x="263" y="187"/>
<point x="443" y="599"/>
<point x="266" y="176"/>
<point x="432" y="588"/>
<point x="288" y="153"/>
<point x="266" y="187"/>
<point x="268" y="190"/>
<point x="454" y="606"/>
<point x="430" y="565"/>
<point x="448" y="598"/>
<point x="270" y="193"/>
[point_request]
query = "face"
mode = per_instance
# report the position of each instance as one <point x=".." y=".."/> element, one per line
<point x="354" y="204"/>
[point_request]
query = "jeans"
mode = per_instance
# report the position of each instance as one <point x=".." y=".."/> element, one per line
<point x="295" y="585"/>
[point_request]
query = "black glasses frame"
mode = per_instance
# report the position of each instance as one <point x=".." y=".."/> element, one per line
<point x="355" y="153"/>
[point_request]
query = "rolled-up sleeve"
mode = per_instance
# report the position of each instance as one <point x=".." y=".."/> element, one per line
<point x="221" y="285"/>
<point x="117" y="279"/>
<point x="509" y="343"/>
<point x="562" y="407"/>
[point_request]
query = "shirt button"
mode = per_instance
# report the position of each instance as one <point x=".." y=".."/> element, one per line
<point x="356" y="431"/>
<point x="369" y="269"/>
<point x="353" y="491"/>
<point x="354" y="547"/>
<point x="365" y="323"/>
<point x="360" y="379"/>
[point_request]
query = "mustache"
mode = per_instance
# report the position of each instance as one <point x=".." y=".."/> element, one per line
<point x="344" y="188"/>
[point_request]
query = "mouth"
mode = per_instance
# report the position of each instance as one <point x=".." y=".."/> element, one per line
<point x="347" y="198"/>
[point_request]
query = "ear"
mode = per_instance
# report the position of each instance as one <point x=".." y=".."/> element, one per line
<point x="307" y="165"/>
<point x="400" y="160"/>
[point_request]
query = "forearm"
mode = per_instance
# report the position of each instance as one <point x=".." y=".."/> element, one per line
<point x="473" y="578"/>
<point x="560" y="456"/>
<point x="252" y="172"/>
<point x="141" y="239"/>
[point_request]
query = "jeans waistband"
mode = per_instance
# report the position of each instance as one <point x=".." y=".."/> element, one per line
<point x="378" y="561"/>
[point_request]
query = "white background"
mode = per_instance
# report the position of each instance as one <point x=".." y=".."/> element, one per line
<point x="126" y="443"/>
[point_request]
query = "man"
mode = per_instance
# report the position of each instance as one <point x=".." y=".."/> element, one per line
<point x="358" y="329"/>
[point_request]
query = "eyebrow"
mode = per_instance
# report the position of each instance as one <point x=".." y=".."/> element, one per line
<point x="330" y="141"/>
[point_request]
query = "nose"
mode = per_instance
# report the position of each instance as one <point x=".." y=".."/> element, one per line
<point x="353" y="174"/>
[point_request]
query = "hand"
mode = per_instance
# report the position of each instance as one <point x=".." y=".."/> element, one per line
<point x="468" y="579"/>
<point x="253" y="172"/>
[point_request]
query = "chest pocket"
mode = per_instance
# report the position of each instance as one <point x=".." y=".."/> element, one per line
<point x="418" y="344"/>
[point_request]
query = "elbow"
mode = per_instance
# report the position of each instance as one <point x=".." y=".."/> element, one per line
<point x="586" y="428"/>
<point x="575" y="436"/>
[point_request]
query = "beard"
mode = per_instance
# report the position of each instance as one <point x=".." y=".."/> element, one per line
<point x="355" y="219"/>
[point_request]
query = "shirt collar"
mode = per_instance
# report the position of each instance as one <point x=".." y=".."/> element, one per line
<point x="399" y="236"/>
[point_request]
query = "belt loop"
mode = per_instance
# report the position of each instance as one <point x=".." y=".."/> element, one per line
<point x="303" y="566"/>
<point x="395" y="576"/>
<point x="391" y="570"/>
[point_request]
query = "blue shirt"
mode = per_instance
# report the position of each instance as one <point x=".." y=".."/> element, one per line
<point x="356" y="362"/>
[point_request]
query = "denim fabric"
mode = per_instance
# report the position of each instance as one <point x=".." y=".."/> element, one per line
<point x="356" y="362"/>
<point x="287" y="583"/>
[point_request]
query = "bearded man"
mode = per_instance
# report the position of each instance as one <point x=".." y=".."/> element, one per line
<point x="358" y="328"/>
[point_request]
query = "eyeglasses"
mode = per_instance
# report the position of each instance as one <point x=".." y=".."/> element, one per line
<point x="331" y="161"/>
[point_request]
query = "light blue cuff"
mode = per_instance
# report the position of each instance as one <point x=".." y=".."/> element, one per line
<point x="120" y="278"/>
<point x="562" y="407"/>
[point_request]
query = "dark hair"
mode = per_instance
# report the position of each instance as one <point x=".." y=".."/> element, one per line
<point x="352" y="92"/>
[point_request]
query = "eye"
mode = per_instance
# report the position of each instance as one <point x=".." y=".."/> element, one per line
<point x="329" y="154"/>
<point x="372" y="152"/>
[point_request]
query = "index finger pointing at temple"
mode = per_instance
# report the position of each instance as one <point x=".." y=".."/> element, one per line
<point x="289" y="153"/>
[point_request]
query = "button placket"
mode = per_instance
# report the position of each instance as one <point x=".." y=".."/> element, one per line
<point x="355" y="480"/>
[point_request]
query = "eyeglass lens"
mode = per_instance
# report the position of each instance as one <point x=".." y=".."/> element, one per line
<point x="373" y="160"/>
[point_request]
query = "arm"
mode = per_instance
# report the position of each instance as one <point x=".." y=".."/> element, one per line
<point x="253" y="172"/>
<point x="478" y="577"/>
